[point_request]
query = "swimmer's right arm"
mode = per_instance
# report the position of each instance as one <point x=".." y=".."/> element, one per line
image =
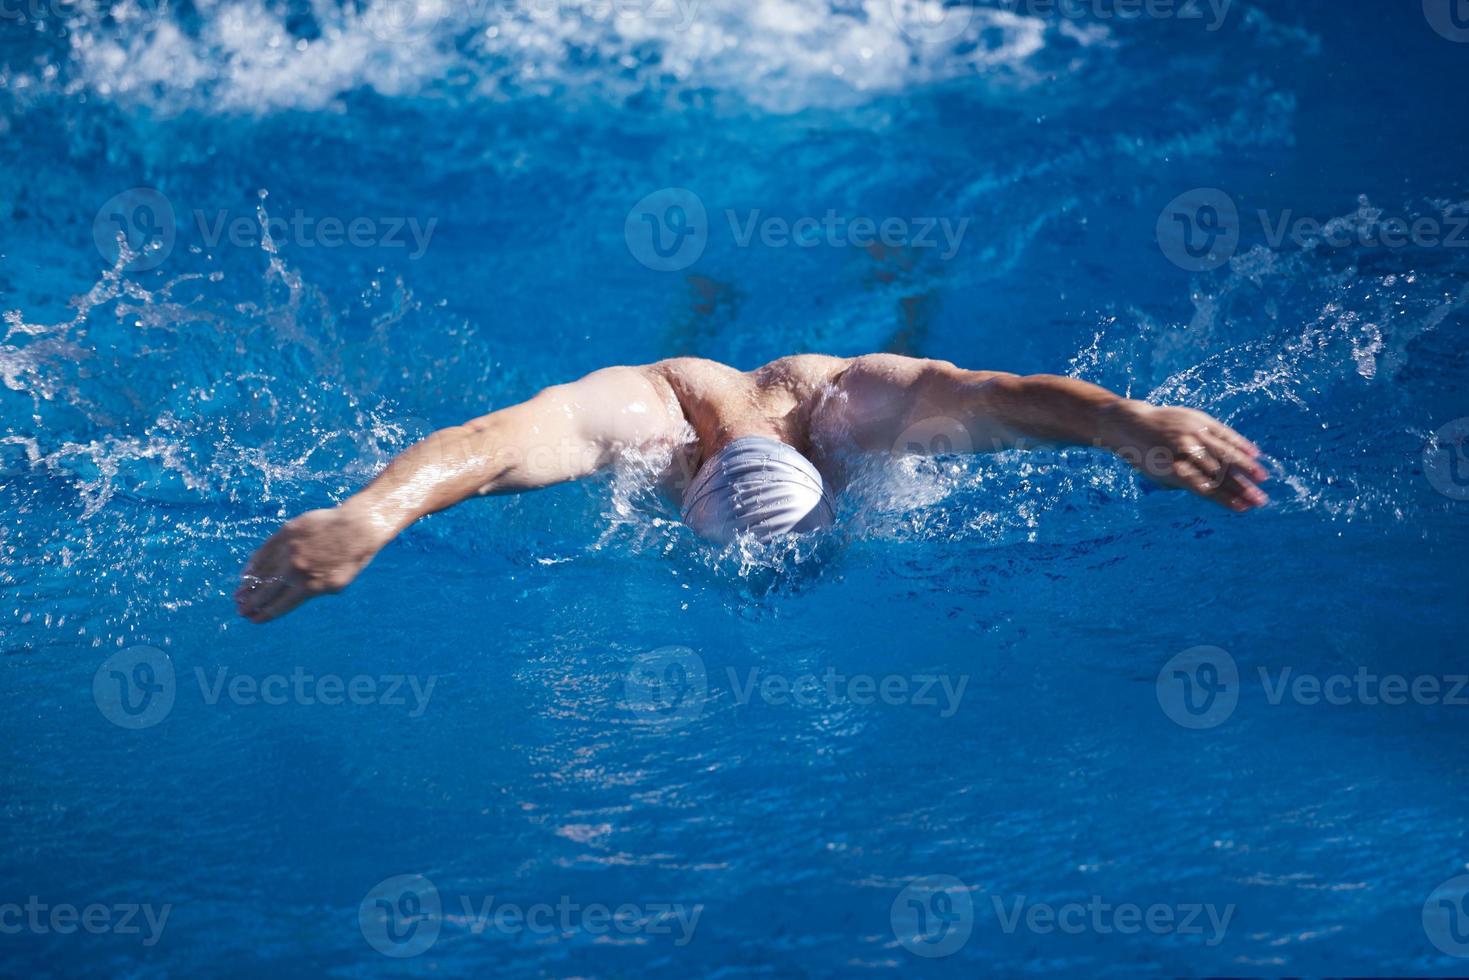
<point x="564" y="433"/>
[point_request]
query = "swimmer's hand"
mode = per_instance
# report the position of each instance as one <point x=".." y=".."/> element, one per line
<point x="318" y="553"/>
<point x="1181" y="448"/>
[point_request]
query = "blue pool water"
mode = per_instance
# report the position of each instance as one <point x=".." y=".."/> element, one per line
<point x="556" y="735"/>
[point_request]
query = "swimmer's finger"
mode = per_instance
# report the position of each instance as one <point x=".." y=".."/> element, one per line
<point x="1236" y="479"/>
<point x="1233" y="491"/>
<point x="1232" y="455"/>
<point x="1238" y="485"/>
<point x="280" y="604"/>
<point x="250" y="599"/>
<point x="252" y="585"/>
<point x="1200" y="459"/>
<point x="1194" y="477"/>
<point x="1235" y="439"/>
<point x="267" y="563"/>
<point x="1188" y="473"/>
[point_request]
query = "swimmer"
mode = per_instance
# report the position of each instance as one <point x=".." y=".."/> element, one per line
<point x="764" y="448"/>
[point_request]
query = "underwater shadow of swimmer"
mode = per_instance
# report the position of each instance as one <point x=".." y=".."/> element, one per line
<point x="895" y="268"/>
<point x="713" y="305"/>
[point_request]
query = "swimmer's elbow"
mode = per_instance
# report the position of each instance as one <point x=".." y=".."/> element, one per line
<point x="986" y="399"/>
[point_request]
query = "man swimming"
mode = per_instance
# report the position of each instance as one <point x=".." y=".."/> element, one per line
<point x="765" y="448"/>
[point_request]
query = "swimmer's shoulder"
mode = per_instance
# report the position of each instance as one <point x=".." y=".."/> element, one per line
<point x="694" y="377"/>
<point x="801" y="370"/>
<point x="684" y="368"/>
<point x="699" y="368"/>
<point x="699" y="386"/>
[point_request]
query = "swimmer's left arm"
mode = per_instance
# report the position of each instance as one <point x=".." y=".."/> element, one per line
<point x="896" y="402"/>
<point x="1176" y="447"/>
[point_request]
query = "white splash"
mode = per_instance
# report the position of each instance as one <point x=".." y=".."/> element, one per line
<point x="781" y="55"/>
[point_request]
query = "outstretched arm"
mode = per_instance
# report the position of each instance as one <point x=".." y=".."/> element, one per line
<point x="904" y="405"/>
<point x="564" y="433"/>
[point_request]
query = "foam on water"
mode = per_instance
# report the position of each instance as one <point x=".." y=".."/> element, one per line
<point x="235" y="57"/>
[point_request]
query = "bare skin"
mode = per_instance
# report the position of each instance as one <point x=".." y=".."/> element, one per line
<point x="687" y="409"/>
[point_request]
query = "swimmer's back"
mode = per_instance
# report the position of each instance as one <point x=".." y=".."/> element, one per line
<point x="775" y="401"/>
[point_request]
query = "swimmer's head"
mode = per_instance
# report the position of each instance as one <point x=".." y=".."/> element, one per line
<point x="757" y="486"/>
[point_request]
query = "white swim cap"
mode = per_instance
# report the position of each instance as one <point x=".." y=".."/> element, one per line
<point x="759" y="486"/>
